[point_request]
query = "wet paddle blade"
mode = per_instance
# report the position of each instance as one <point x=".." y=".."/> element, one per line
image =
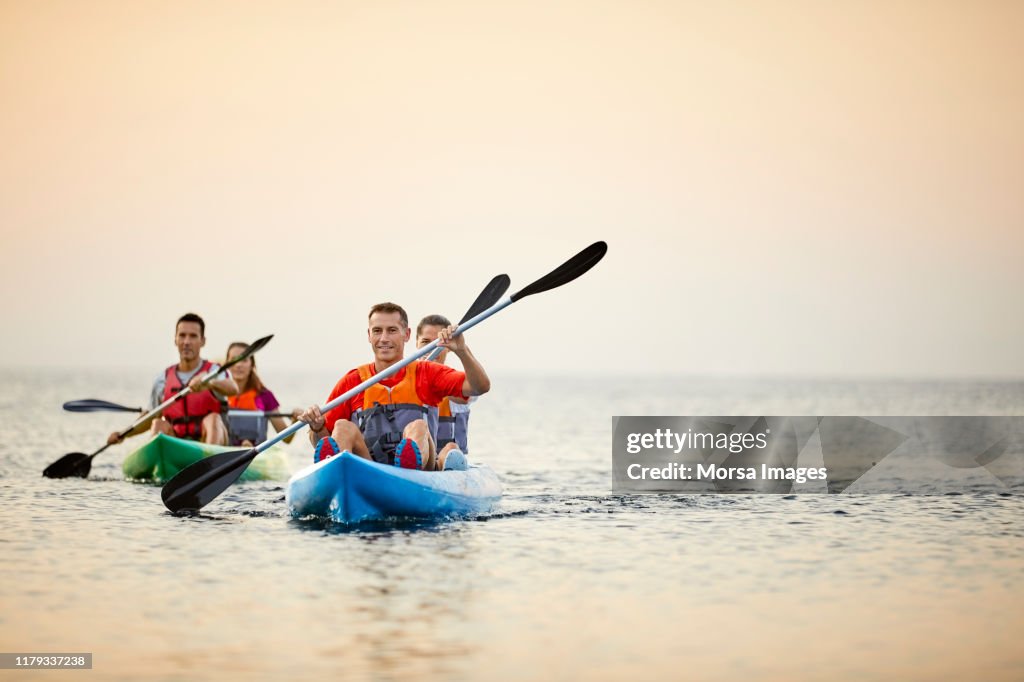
<point x="71" y="464"/>
<point x="200" y="483"/>
<point x="566" y="272"/>
<point x="97" y="405"/>
<point x="488" y="297"/>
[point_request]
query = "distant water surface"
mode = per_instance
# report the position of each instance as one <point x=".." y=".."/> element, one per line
<point x="563" y="581"/>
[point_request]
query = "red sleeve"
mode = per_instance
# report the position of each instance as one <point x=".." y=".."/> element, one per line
<point x="343" y="411"/>
<point x="435" y="382"/>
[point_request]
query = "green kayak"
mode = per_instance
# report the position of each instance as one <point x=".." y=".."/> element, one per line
<point x="164" y="456"/>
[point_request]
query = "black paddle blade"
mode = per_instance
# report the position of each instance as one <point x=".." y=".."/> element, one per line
<point x="254" y="347"/>
<point x="198" y="484"/>
<point x="71" y="464"/>
<point x="566" y="272"/>
<point x="97" y="405"/>
<point x="488" y="297"/>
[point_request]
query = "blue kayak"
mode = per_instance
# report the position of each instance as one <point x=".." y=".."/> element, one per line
<point x="349" y="489"/>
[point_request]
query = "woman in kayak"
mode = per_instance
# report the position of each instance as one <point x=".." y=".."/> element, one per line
<point x="252" y="396"/>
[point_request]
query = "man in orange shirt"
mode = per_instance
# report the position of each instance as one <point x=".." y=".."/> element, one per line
<point x="387" y="422"/>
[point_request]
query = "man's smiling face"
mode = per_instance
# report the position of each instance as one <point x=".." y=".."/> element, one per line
<point x="387" y="336"/>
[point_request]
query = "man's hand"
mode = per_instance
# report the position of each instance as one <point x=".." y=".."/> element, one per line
<point x="114" y="438"/>
<point x="477" y="382"/>
<point x="455" y="344"/>
<point x="314" y="418"/>
<point x="196" y="383"/>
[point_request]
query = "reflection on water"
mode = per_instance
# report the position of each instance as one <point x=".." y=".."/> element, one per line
<point x="564" y="580"/>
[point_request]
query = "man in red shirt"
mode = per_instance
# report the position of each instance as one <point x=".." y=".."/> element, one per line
<point x="387" y="422"/>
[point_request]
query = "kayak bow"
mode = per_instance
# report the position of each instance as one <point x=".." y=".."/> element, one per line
<point x="349" y="489"/>
<point x="164" y="456"/>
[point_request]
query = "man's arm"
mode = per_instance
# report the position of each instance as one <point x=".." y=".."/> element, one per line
<point x="155" y="398"/>
<point x="477" y="382"/>
<point x="318" y="426"/>
<point x="115" y="437"/>
<point x="317" y="423"/>
<point x="225" y="386"/>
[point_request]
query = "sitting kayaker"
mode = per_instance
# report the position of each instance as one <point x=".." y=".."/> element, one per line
<point x="198" y="415"/>
<point x="388" y="421"/>
<point x="247" y="419"/>
<point x="449" y="421"/>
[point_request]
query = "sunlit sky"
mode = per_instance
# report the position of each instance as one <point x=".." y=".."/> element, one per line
<point x="787" y="188"/>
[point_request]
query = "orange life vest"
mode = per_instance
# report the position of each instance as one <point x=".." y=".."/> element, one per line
<point x="386" y="411"/>
<point x="244" y="401"/>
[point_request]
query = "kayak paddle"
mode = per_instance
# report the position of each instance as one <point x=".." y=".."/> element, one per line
<point x="200" y="483"/>
<point x="488" y="297"/>
<point x="97" y="405"/>
<point x="79" y="463"/>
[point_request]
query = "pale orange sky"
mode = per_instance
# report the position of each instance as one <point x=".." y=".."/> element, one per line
<point x="787" y="188"/>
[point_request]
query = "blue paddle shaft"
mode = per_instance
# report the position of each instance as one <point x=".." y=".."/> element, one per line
<point x="390" y="371"/>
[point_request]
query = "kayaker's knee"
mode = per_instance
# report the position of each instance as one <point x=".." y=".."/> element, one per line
<point x="348" y="437"/>
<point x="419" y="431"/>
<point x="416" y="430"/>
<point x="213" y="430"/>
<point x="443" y="455"/>
<point x="344" y="430"/>
<point x="161" y="425"/>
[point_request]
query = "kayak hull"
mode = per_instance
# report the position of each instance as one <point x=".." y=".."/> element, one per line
<point x="164" y="456"/>
<point x="349" y="489"/>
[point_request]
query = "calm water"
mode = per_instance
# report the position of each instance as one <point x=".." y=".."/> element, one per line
<point x="564" y="580"/>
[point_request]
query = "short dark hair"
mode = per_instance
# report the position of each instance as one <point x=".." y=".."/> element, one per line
<point x="432" y="321"/>
<point x="191" y="317"/>
<point x="389" y="307"/>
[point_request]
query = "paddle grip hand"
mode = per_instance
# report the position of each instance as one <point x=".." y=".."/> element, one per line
<point x="198" y="384"/>
<point x="135" y="429"/>
<point x="447" y="338"/>
<point x="315" y="419"/>
<point x="140" y="426"/>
